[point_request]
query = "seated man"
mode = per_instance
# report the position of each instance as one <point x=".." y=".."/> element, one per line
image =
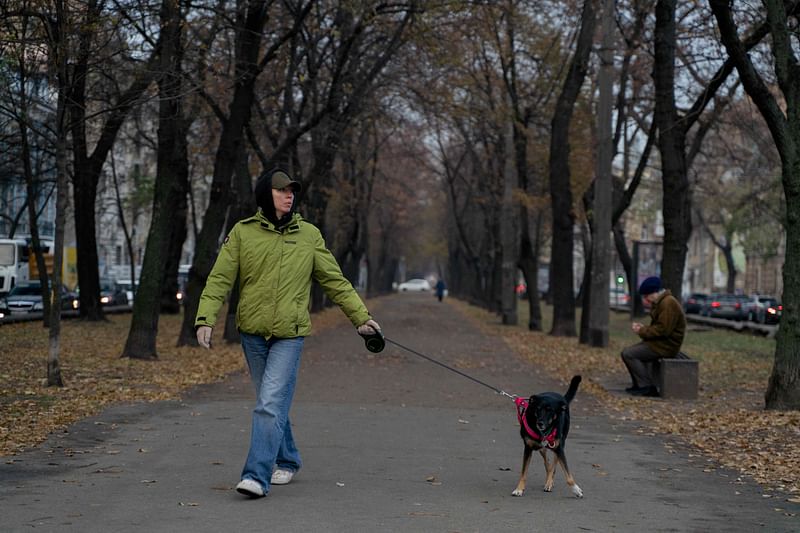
<point x="660" y="340"/>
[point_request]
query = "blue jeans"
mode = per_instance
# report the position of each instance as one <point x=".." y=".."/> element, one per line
<point x="273" y="367"/>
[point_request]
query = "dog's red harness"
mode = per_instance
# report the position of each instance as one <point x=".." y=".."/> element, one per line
<point x="522" y="406"/>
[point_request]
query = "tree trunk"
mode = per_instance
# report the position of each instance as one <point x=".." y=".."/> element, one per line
<point x="171" y="175"/>
<point x="180" y="219"/>
<point x="243" y="207"/>
<point x="561" y="283"/>
<point x="248" y="46"/>
<point x="54" y="377"/>
<point x="87" y="168"/>
<point x="672" y="140"/>
<point x="529" y="264"/>
<point x="324" y="149"/>
<point x="624" y="256"/>
<point x="783" y="390"/>
<point x="601" y="205"/>
<point x="360" y="169"/>
<point x="585" y="293"/>
<point x="727" y="251"/>
<point x="32" y="193"/>
<point x="58" y="51"/>
<point x="127" y="233"/>
<point x="31" y="189"/>
<point x="509" y="236"/>
<point x="672" y="145"/>
<point x="528" y="251"/>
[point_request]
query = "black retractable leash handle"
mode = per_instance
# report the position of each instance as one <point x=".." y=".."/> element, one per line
<point x="374" y="341"/>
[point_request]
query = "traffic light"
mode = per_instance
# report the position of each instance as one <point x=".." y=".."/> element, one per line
<point x="620" y="279"/>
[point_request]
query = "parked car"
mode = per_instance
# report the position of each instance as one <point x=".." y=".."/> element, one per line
<point x="617" y="297"/>
<point x="728" y="306"/>
<point x="694" y="303"/>
<point x="183" y="280"/>
<point x="126" y="286"/>
<point x="773" y="313"/>
<point x="27" y="298"/>
<point x="111" y="293"/>
<point x="764" y="309"/>
<point x="414" y="285"/>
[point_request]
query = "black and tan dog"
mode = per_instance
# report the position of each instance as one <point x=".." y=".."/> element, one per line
<point x="544" y="425"/>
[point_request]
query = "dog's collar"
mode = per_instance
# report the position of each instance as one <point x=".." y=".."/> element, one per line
<point x="522" y="406"/>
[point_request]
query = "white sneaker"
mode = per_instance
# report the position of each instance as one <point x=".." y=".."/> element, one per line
<point x="250" y="487"/>
<point x="281" y="477"/>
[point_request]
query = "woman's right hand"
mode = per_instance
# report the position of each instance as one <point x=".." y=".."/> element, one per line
<point x="204" y="336"/>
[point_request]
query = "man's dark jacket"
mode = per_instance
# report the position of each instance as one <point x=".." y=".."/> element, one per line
<point x="667" y="326"/>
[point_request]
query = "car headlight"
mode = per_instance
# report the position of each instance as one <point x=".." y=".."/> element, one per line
<point x="104" y="299"/>
<point x="38" y="306"/>
<point x="75" y="304"/>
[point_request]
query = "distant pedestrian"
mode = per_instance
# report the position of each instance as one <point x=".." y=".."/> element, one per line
<point x="440" y="288"/>
<point x="662" y="339"/>
<point x="275" y="254"/>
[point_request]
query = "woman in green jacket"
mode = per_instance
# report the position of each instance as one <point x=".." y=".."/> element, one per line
<point x="276" y="255"/>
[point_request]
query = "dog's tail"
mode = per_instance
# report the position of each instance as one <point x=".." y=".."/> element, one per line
<point x="573" y="388"/>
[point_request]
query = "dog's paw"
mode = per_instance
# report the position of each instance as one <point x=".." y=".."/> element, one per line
<point x="518" y="492"/>
<point x="576" y="490"/>
<point x="548" y="487"/>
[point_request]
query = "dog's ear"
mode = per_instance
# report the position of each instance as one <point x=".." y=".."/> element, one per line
<point x="533" y="400"/>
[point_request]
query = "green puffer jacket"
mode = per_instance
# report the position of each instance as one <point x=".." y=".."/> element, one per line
<point x="667" y="326"/>
<point x="276" y="269"/>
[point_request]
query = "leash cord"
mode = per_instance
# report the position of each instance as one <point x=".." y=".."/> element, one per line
<point x="432" y="360"/>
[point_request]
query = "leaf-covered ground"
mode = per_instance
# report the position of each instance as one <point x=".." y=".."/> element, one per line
<point x="727" y="424"/>
<point x="95" y="375"/>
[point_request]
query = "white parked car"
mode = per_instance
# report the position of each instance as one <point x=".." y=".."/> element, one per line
<point x="412" y="285"/>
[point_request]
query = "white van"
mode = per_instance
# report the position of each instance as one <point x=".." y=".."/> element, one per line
<point x="14" y="267"/>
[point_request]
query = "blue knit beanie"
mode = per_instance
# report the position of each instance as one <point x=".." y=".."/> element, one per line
<point x="650" y="285"/>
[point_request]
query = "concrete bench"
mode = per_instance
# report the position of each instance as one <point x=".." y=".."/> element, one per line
<point x="677" y="377"/>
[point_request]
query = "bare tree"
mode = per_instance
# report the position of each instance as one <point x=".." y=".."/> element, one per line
<point x="601" y="245"/>
<point x="51" y="23"/>
<point x="677" y="149"/>
<point x="57" y="40"/>
<point x="560" y="185"/>
<point x="783" y="120"/>
<point x="250" y="20"/>
<point x="26" y="109"/>
<point x="170" y="189"/>
<point x="88" y="164"/>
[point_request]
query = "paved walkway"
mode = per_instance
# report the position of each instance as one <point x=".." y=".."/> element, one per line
<point x="390" y="442"/>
